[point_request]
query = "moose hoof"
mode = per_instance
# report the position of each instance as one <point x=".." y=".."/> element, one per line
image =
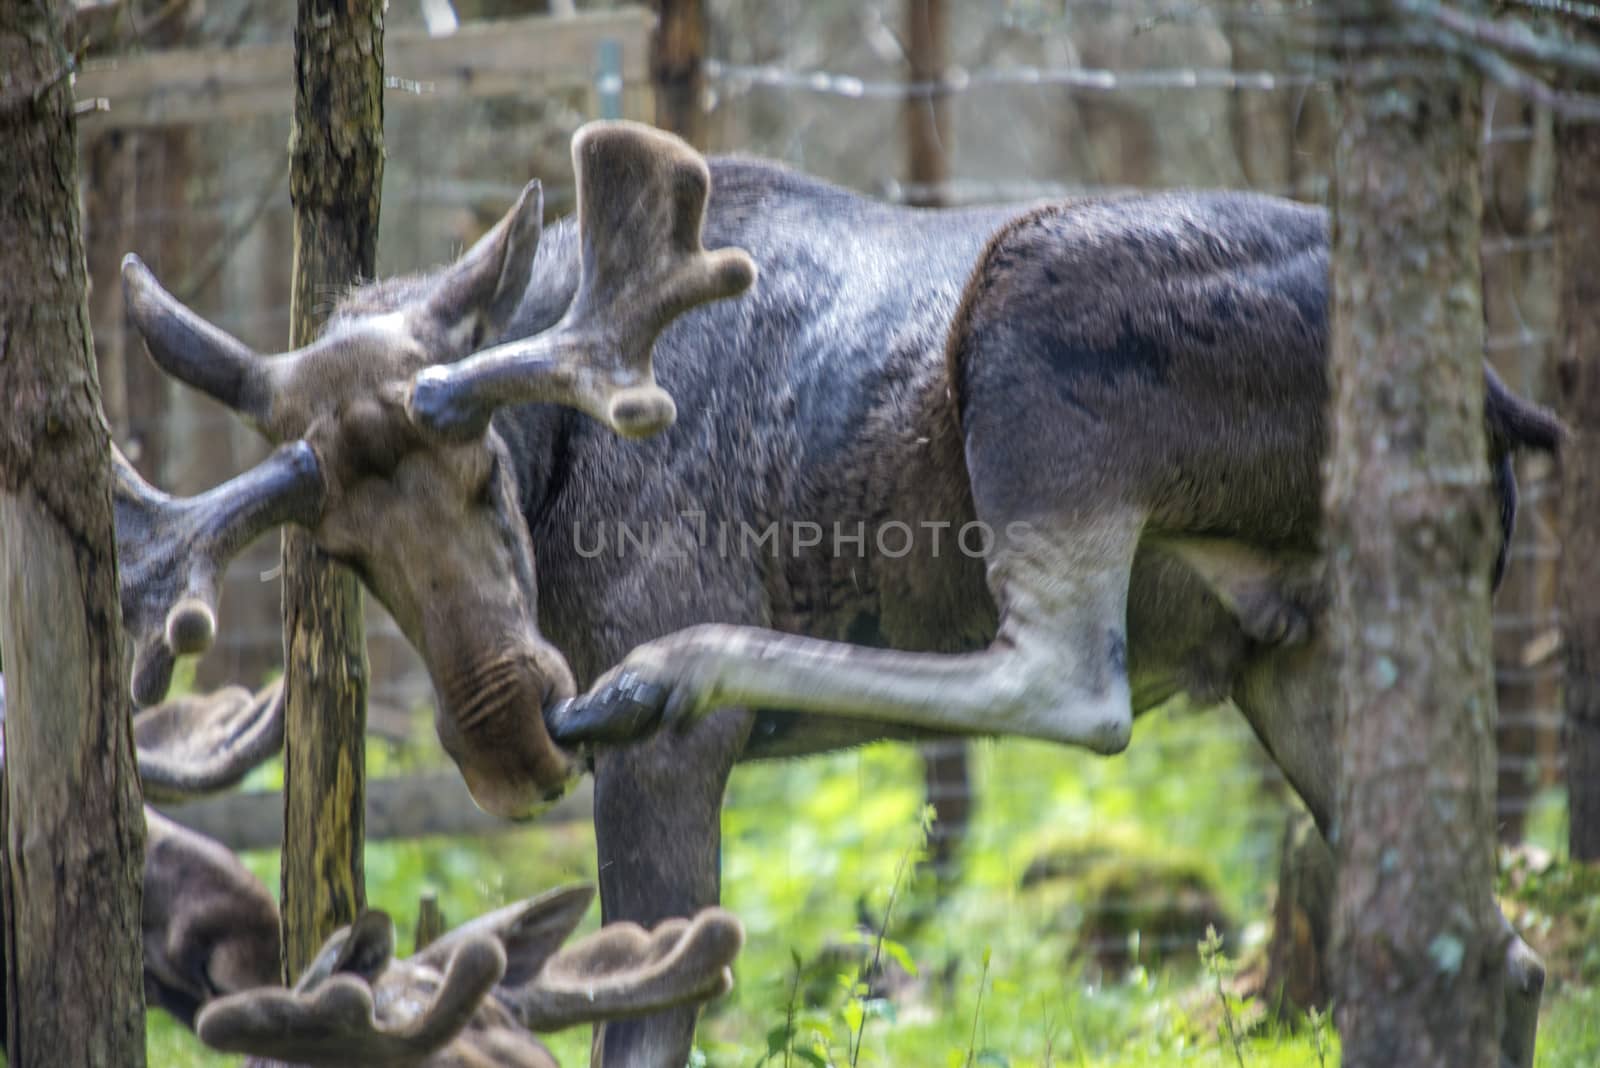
<point x="625" y="709"/>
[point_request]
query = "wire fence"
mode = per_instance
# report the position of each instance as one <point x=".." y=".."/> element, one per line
<point x="1035" y="100"/>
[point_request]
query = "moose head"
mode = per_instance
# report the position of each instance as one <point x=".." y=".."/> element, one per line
<point x="477" y="995"/>
<point x="388" y="457"/>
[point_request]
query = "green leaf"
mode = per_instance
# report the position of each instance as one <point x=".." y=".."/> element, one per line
<point x="901" y="955"/>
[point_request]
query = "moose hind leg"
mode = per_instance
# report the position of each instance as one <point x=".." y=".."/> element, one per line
<point x="1062" y="642"/>
<point x="1057" y="669"/>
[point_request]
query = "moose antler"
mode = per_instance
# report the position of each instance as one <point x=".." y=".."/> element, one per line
<point x="357" y="1005"/>
<point x="641" y="201"/>
<point x="623" y="970"/>
<point x="333" y="1017"/>
<point x="171" y="550"/>
<point x="531" y="931"/>
<point x="194" y="351"/>
<point x="200" y="744"/>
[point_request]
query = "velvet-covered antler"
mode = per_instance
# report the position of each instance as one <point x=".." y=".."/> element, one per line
<point x="623" y="970"/>
<point x="341" y="1014"/>
<point x="641" y="202"/>
<point x="474" y="996"/>
<point x="199" y="744"/>
<point x="619" y="971"/>
<point x="171" y="551"/>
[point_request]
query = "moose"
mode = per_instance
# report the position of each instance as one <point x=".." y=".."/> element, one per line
<point x="476" y="996"/>
<point x="1121" y="401"/>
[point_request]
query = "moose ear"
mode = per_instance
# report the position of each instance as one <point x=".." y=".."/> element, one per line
<point x="481" y="291"/>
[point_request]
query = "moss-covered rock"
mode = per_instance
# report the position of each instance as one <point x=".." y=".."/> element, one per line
<point x="1128" y="902"/>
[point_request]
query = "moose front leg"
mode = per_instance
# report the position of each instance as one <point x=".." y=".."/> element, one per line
<point x="1056" y="670"/>
<point x="657" y="816"/>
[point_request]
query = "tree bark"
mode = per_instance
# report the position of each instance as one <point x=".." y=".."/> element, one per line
<point x="336" y="173"/>
<point x="1418" y="954"/>
<point x="946" y="773"/>
<point x="74" y="836"/>
<point x="677" y="60"/>
<point x="1578" y="370"/>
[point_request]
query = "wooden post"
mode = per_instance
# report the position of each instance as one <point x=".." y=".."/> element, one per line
<point x="677" y="65"/>
<point x="1577" y="229"/>
<point x="336" y="171"/>
<point x="430" y="920"/>
<point x="1418" y="952"/>
<point x="74" y="835"/>
<point x="927" y="118"/>
<point x="946" y="774"/>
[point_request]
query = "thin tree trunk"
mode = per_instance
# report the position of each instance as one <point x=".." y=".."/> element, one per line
<point x="1578" y="265"/>
<point x="1418" y="955"/>
<point x="677" y="61"/>
<point x="946" y="775"/>
<point x="336" y="171"/>
<point x="927" y="118"/>
<point x="74" y="838"/>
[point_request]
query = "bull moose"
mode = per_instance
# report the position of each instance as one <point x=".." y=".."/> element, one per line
<point x="1121" y="401"/>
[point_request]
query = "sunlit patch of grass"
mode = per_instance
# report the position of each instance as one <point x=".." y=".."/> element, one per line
<point x="1569" y="1030"/>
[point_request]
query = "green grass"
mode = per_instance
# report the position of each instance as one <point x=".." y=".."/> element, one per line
<point x="812" y="847"/>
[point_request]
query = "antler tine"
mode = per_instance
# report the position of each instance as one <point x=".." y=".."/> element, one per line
<point x="192" y="350"/>
<point x="531" y="931"/>
<point x="621" y="971"/>
<point x="200" y="744"/>
<point x="171" y="550"/>
<point x="641" y="201"/>
<point x="336" y="1022"/>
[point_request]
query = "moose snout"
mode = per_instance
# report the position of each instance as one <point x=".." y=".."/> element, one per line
<point x="491" y="722"/>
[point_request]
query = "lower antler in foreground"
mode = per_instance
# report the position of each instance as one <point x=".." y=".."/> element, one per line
<point x="474" y="996"/>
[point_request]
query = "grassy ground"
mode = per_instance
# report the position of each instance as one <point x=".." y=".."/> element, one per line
<point x="989" y="972"/>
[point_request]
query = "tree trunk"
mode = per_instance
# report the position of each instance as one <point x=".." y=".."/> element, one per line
<point x="927" y="118"/>
<point x="1578" y="266"/>
<point x="1418" y="954"/>
<point x="677" y="60"/>
<point x="946" y="774"/>
<point x="336" y="172"/>
<point x="74" y="837"/>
